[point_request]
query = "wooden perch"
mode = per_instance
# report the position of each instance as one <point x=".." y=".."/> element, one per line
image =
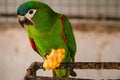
<point x="31" y="71"/>
<point x="51" y="78"/>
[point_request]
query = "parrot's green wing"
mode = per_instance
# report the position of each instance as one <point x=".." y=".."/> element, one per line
<point x="69" y="39"/>
<point x="68" y="36"/>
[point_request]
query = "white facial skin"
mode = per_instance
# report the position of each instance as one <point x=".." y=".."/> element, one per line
<point x="30" y="13"/>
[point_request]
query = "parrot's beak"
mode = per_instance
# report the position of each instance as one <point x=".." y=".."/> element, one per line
<point x="24" y="21"/>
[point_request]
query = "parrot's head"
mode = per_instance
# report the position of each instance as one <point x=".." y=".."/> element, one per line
<point x="33" y="12"/>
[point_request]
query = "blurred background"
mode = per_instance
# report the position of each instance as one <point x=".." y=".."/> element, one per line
<point x="96" y="25"/>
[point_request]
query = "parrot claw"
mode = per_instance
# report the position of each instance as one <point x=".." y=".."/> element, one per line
<point x="73" y="73"/>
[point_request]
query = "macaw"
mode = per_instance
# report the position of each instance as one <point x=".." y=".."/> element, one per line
<point x="49" y="32"/>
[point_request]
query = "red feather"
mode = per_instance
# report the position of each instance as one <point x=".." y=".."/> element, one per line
<point x="33" y="44"/>
<point x="61" y="19"/>
<point x="63" y="35"/>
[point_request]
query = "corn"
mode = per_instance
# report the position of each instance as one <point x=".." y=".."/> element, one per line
<point x="54" y="59"/>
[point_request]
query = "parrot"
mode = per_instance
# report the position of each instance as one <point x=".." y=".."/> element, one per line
<point x="48" y="30"/>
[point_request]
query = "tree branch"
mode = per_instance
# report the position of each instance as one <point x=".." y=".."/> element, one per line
<point x="31" y="71"/>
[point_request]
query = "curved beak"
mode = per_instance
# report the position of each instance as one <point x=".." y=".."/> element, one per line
<point x="24" y="21"/>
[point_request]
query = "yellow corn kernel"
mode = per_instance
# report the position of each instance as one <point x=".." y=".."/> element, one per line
<point x="54" y="63"/>
<point x="59" y="60"/>
<point x="54" y="59"/>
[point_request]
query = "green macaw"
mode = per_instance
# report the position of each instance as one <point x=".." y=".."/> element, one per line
<point x="48" y="30"/>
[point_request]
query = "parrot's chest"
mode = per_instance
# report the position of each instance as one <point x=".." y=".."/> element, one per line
<point x="48" y="39"/>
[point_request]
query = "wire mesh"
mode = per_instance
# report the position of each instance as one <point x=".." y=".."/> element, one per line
<point x="100" y="9"/>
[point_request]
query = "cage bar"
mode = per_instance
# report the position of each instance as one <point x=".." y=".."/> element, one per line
<point x="86" y="9"/>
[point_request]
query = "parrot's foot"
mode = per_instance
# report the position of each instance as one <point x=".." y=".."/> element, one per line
<point x="73" y="73"/>
<point x="54" y="59"/>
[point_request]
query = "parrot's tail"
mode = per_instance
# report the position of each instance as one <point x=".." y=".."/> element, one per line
<point x="61" y="73"/>
<point x="64" y="73"/>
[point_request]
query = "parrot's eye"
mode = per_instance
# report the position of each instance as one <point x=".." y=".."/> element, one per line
<point x="30" y="13"/>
